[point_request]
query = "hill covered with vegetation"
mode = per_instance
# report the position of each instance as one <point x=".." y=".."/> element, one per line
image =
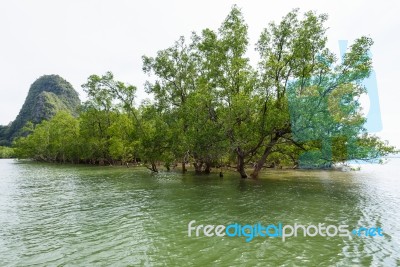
<point x="47" y="95"/>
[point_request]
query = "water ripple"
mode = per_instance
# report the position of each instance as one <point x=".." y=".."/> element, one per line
<point x="79" y="216"/>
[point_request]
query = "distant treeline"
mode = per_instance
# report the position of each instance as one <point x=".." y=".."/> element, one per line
<point x="298" y="106"/>
<point x="6" y="152"/>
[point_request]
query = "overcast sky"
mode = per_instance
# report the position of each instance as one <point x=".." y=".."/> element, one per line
<point x="78" y="38"/>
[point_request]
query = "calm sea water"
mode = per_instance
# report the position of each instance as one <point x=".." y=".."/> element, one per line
<point x="53" y="215"/>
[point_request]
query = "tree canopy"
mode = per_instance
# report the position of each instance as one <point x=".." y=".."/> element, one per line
<point x="299" y="106"/>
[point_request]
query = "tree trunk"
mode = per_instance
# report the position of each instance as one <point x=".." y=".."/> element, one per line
<point x="154" y="167"/>
<point x="240" y="165"/>
<point x="207" y="169"/>
<point x="167" y="166"/>
<point x="261" y="162"/>
<point x="198" y="167"/>
<point x="183" y="166"/>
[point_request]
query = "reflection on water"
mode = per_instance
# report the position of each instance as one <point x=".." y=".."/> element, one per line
<point x="80" y="215"/>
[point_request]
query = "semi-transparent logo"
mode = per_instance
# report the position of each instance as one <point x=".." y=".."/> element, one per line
<point x="279" y="230"/>
<point x="325" y="109"/>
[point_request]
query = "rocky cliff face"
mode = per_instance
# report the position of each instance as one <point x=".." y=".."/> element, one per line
<point x="47" y="95"/>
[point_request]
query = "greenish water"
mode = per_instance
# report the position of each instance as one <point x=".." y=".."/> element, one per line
<point x="54" y="215"/>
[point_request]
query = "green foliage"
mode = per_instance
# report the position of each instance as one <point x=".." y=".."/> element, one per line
<point x="55" y="140"/>
<point x="6" y="152"/>
<point x="297" y="107"/>
<point x="124" y="138"/>
<point x="156" y="139"/>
